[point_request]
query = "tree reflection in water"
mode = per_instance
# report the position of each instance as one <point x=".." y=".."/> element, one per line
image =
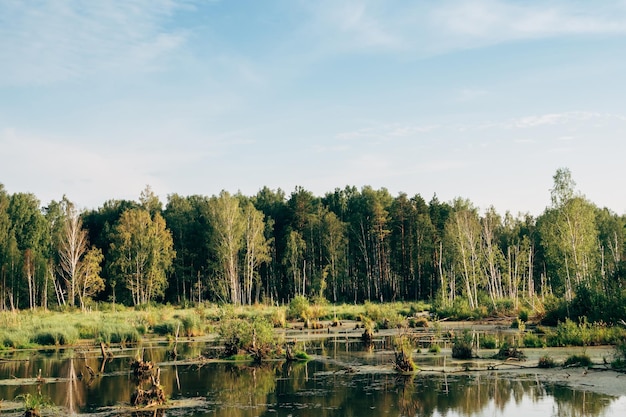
<point x="300" y="388"/>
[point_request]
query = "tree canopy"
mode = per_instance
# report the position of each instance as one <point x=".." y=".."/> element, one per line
<point x="349" y="245"/>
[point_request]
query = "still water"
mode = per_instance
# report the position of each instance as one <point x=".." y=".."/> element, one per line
<point x="320" y="387"/>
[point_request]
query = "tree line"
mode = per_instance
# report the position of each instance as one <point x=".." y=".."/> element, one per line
<point x="350" y="245"/>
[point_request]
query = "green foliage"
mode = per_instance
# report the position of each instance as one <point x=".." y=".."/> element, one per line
<point x="489" y="342"/>
<point x="298" y="308"/>
<point x="578" y="360"/>
<point x="508" y="352"/>
<point x="279" y="317"/>
<point x="583" y="333"/>
<point x="248" y="335"/>
<point x="191" y="325"/>
<point x="619" y="356"/>
<point x="167" y="327"/>
<point x="503" y="307"/>
<point x="403" y="358"/>
<point x="531" y="340"/>
<point x="434" y="348"/>
<point x="546" y="362"/>
<point x="462" y="347"/>
<point x="35" y="402"/>
<point x="418" y="322"/>
<point x="386" y="316"/>
<point x="518" y="324"/>
<point x="523" y="315"/>
<point x="57" y="336"/>
<point x="460" y="310"/>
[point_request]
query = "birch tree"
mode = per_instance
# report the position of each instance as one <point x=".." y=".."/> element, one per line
<point x="72" y="247"/>
<point x="228" y="228"/>
<point x="257" y="250"/>
<point x="464" y="236"/>
<point x="89" y="282"/>
<point x="142" y="252"/>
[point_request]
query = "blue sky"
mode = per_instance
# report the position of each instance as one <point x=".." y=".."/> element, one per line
<point x="479" y="99"/>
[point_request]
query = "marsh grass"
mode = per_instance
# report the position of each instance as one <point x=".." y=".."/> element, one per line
<point x="583" y="333"/>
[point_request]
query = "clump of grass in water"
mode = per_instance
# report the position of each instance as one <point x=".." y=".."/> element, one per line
<point x="546" y="362"/>
<point x="462" y="347"/>
<point x="33" y="404"/>
<point x="403" y="360"/>
<point x="578" y="360"/>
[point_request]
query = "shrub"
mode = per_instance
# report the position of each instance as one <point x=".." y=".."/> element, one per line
<point x="489" y="342"/>
<point x="254" y="336"/>
<point x="462" y="346"/>
<point x="518" y="324"/>
<point x="531" y="340"/>
<point x="507" y="352"/>
<point x="279" y="317"/>
<point x="415" y="322"/>
<point x="55" y="336"/>
<point x="619" y="356"/>
<point x="191" y="325"/>
<point x="578" y="360"/>
<point x="523" y="315"/>
<point x="166" y="328"/>
<point x="298" y="308"/>
<point x="546" y="362"/>
<point x="403" y="360"/>
<point x="434" y="348"/>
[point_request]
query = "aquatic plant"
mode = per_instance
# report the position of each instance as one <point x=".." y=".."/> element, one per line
<point x="402" y="350"/>
<point x="462" y="347"/>
<point x="191" y="325"/>
<point x="415" y="322"/>
<point x="578" y="360"/>
<point x="546" y="362"/>
<point x="256" y="337"/>
<point x="531" y="340"/>
<point x="488" y="342"/>
<point x="509" y="352"/>
<point x="434" y="348"/>
<point x="33" y="404"/>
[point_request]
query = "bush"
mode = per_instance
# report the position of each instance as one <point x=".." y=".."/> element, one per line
<point x="415" y="322"/>
<point x="518" y="324"/>
<point x="191" y="325"/>
<point x="55" y="336"/>
<point x="531" y="340"/>
<point x="489" y="342"/>
<point x="166" y="328"/>
<point x="254" y="336"/>
<point x="523" y="315"/>
<point x="507" y="352"/>
<point x="619" y="356"/>
<point x="462" y="346"/>
<point x="298" y="308"/>
<point x="279" y="318"/>
<point x="578" y="360"/>
<point x="403" y="360"/>
<point x="434" y="348"/>
<point x="546" y="362"/>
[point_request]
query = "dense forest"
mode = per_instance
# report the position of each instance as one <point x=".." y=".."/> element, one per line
<point x="350" y="245"/>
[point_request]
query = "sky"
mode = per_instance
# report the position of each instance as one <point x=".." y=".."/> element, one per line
<point x="481" y="99"/>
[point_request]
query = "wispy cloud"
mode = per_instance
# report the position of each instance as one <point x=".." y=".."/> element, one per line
<point x="60" y="40"/>
<point x="425" y="28"/>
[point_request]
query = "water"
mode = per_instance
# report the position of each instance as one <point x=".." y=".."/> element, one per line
<point x="326" y="386"/>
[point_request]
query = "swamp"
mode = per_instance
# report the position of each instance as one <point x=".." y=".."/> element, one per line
<point x="338" y="373"/>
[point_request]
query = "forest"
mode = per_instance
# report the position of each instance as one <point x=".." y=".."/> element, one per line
<point x="350" y="245"/>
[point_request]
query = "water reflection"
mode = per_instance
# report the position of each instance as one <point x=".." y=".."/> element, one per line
<point x="314" y="388"/>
